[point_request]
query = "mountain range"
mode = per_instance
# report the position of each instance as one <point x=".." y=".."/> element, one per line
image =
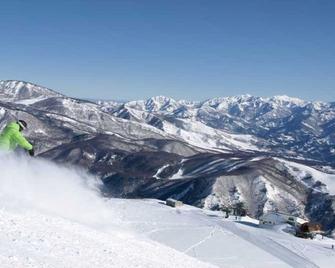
<point x="269" y="153"/>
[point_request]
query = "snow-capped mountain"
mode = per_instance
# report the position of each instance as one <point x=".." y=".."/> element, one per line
<point x="24" y="92"/>
<point x="281" y="124"/>
<point x="273" y="153"/>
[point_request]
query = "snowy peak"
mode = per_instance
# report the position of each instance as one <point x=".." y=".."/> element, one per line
<point x="235" y="104"/>
<point x="154" y="104"/>
<point x="160" y="103"/>
<point x="232" y="99"/>
<point x="286" y="100"/>
<point x="241" y="103"/>
<point x="279" y="120"/>
<point x="12" y="90"/>
<point x="247" y="100"/>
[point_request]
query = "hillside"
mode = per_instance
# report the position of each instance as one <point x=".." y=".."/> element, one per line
<point x="150" y="149"/>
<point x="53" y="216"/>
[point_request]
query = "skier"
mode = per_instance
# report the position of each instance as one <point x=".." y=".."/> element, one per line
<point x="11" y="137"/>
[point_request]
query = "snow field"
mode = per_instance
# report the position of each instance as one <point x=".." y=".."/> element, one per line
<point x="34" y="240"/>
<point x="52" y="216"/>
<point x="207" y="236"/>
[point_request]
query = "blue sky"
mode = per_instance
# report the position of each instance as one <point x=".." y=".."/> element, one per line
<point x="186" y="49"/>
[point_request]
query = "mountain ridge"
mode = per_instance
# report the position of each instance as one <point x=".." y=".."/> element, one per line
<point x="208" y="156"/>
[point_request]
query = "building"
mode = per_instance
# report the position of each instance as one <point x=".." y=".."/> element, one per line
<point x="276" y="217"/>
<point x="309" y="230"/>
<point x="173" y="203"/>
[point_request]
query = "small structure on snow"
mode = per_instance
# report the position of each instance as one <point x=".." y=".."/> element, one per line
<point x="276" y="217"/>
<point x="173" y="203"/>
<point x="309" y="230"/>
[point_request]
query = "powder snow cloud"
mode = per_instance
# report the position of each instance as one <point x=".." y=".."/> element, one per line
<point x="37" y="184"/>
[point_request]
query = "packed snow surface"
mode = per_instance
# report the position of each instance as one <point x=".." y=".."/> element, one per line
<point x="53" y="216"/>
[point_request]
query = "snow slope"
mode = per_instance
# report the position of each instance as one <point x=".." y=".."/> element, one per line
<point x="225" y="243"/>
<point x="35" y="240"/>
<point x="303" y="173"/>
<point x="53" y="217"/>
<point x="199" y="134"/>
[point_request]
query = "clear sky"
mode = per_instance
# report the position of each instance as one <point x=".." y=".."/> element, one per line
<point x="186" y="49"/>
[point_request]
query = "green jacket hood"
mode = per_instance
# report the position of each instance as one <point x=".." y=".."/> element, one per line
<point x="13" y="125"/>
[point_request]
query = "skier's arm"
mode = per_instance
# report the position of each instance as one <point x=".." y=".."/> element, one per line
<point x="22" y="141"/>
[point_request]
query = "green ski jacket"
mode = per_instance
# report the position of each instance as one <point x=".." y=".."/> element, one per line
<point x="11" y="137"/>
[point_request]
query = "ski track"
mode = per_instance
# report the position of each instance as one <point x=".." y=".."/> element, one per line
<point x="209" y="236"/>
<point x="35" y="241"/>
<point x="284" y="252"/>
<point x="268" y="244"/>
<point x="272" y="247"/>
